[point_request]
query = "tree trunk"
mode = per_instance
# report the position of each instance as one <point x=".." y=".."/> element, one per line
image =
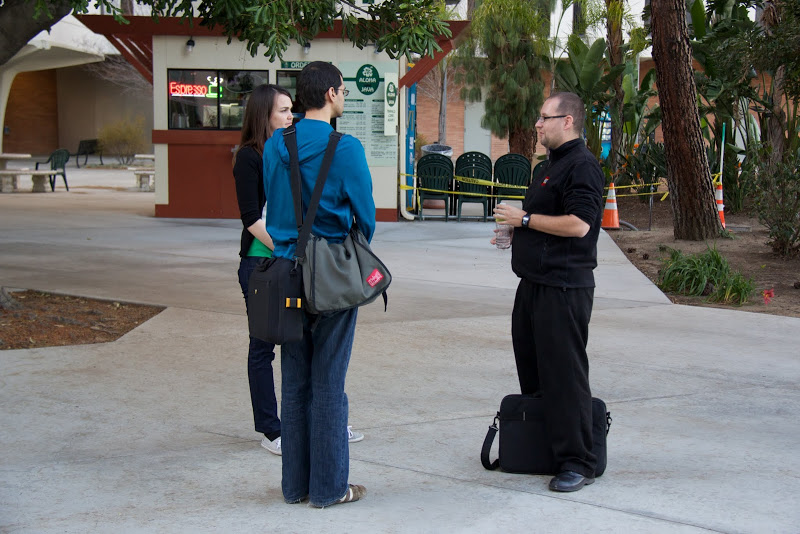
<point x="523" y="141"/>
<point x="17" y="25"/>
<point x="691" y="191"/>
<point x="776" y="121"/>
<point x="614" y="10"/>
<point x="470" y="9"/>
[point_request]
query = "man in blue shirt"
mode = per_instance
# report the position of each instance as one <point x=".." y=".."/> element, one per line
<point x="316" y="460"/>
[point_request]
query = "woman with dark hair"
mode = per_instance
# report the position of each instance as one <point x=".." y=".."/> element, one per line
<point x="269" y="108"/>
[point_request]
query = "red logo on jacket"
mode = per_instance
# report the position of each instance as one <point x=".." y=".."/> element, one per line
<point x="544" y="182"/>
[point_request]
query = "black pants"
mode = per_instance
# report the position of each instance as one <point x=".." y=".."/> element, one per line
<point x="550" y="329"/>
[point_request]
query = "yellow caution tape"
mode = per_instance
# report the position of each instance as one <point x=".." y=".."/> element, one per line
<point x="412" y="188"/>
<point x="477" y="181"/>
<point x="465" y="179"/>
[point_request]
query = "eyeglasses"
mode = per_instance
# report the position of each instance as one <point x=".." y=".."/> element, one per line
<point x="344" y="91"/>
<point x="542" y="119"/>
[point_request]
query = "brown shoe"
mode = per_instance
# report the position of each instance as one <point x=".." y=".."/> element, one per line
<point x="354" y="492"/>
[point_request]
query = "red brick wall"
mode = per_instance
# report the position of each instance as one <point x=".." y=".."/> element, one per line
<point x="32" y="114"/>
<point x="428" y="125"/>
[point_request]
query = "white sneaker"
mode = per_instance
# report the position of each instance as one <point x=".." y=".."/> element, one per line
<point x="274" y="446"/>
<point x="353" y="436"/>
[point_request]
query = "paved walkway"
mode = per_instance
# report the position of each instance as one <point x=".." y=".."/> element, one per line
<point x="153" y="433"/>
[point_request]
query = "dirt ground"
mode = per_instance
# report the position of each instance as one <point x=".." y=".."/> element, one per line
<point x="48" y="320"/>
<point x="747" y="252"/>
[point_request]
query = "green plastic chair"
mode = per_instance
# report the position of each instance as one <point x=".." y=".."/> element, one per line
<point x="511" y="169"/>
<point x="58" y="164"/>
<point x="434" y="171"/>
<point x="474" y="158"/>
<point x="474" y="165"/>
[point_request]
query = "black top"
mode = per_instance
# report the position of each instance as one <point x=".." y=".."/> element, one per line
<point x="248" y="173"/>
<point x="571" y="185"/>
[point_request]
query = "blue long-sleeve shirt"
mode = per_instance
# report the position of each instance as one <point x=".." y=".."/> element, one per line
<point x="347" y="195"/>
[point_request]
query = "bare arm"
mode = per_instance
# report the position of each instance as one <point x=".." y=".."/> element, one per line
<point x="560" y="225"/>
<point x="259" y="230"/>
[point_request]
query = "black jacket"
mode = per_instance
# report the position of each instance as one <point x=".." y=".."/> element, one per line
<point x="248" y="173"/>
<point x="571" y="185"/>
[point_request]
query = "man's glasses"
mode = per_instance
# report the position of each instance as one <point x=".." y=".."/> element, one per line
<point x="345" y="92"/>
<point x="542" y="119"/>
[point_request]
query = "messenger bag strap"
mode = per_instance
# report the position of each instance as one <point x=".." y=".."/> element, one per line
<point x="487" y="446"/>
<point x="290" y="138"/>
<point x="304" y="232"/>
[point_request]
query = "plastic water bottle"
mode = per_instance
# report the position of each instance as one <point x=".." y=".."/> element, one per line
<point x="503" y="235"/>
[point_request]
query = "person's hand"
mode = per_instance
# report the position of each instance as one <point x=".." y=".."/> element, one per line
<point x="493" y="241"/>
<point x="506" y="214"/>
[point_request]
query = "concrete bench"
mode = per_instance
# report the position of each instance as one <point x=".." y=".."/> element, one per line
<point x="144" y="177"/>
<point x="9" y="179"/>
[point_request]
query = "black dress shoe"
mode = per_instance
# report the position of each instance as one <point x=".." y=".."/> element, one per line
<point x="569" y="481"/>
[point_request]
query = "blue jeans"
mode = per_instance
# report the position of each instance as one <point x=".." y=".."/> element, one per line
<point x="316" y="455"/>
<point x="259" y="368"/>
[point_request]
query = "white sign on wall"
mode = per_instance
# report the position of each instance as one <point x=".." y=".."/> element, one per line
<point x="365" y="109"/>
<point x="391" y="103"/>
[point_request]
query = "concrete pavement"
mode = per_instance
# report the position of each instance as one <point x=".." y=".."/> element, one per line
<point x="153" y="432"/>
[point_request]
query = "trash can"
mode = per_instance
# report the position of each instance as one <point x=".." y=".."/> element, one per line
<point x="435" y="148"/>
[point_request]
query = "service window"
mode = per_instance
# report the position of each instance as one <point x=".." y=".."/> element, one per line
<point x="210" y="99"/>
<point x="288" y="80"/>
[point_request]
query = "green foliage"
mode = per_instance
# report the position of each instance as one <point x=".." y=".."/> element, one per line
<point x="501" y="64"/>
<point x="588" y="75"/>
<point x="777" y="47"/>
<point x="731" y="48"/>
<point x="643" y="167"/>
<point x="723" y="84"/>
<point x="638" y="120"/>
<point x="777" y="194"/>
<point x="399" y="27"/>
<point x="123" y="138"/>
<point x="708" y="274"/>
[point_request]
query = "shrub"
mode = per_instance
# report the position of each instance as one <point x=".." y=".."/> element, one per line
<point x="777" y="200"/>
<point x="708" y="274"/>
<point x="645" y="165"/>
<point x="123" y="138"/>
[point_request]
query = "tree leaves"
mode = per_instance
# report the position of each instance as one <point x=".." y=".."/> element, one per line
<point x="398" y="27"/>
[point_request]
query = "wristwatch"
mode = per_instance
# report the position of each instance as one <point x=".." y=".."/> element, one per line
<point x="525" y="220"/>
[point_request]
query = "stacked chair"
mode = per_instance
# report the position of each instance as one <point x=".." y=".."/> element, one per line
<point x="434" y="171"/>
<point x="511" y="169"/>
<point x="473" y="165"/>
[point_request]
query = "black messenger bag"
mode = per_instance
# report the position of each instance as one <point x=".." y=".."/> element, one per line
<point x="524" y="444"/>
<point x="275" y="301"/>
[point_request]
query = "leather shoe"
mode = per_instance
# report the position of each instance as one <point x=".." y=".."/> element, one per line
<point x="569" y="481"/>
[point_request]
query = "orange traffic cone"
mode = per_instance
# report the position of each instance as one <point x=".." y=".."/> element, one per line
<point x="720" y="205"/>
<point x="610" y="213"/>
